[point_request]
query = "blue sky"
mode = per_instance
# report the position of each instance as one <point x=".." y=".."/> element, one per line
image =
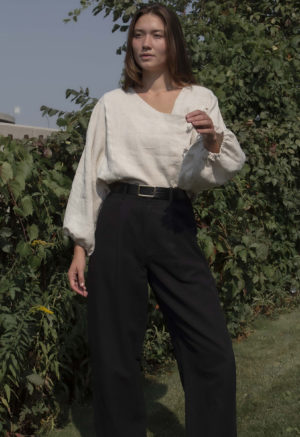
<point x="41" y="56"/>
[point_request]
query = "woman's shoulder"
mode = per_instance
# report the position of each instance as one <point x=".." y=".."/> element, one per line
<point x="115" y="94"/>
<point x="198" y="96"/>
<point x="199" y="90"/>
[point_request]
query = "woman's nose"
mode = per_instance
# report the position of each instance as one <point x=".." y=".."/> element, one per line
<point x="146" y="41"/>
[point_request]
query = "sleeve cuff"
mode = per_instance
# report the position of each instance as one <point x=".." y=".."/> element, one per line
<point x="212" y="156"/>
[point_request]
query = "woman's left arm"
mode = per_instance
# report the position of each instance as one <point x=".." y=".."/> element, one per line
<point x="215" y="155"/>
<point x="204" y="125"/>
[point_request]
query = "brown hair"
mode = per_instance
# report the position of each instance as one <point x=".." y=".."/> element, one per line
<point x="178" y="62"/>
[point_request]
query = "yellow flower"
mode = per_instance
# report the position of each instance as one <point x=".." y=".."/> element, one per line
<point x="41" y="243"/>
<point x="41" y="308"/>
<point x="36" y="242"/>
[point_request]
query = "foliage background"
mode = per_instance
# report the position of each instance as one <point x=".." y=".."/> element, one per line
<point x="248" y="54"/>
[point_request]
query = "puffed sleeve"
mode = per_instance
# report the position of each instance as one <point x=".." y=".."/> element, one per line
<point x="88" y="191"/>
<point x="202" y="169"/>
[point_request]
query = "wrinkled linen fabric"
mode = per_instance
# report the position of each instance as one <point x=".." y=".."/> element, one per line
<point x="130" y="141"/>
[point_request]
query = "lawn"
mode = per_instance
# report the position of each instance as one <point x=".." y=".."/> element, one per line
<point x="268" y="388"/>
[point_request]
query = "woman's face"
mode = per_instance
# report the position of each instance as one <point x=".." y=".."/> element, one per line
<point x="149" y="43"/>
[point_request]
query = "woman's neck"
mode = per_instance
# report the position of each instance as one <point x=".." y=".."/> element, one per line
<point x="156" y="82"/>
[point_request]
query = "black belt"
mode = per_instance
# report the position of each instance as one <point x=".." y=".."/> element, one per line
<point x="147" y="191"/>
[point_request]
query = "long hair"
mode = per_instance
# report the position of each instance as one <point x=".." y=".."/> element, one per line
<point x="178" y="61"/>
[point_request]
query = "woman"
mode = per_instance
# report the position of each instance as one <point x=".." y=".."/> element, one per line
<point x="150" y="147"/>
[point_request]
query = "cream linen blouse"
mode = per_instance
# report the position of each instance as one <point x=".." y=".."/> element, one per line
<point x="128" y="140"/>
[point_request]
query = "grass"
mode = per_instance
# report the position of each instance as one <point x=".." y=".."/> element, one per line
<point x="268" y="387"/>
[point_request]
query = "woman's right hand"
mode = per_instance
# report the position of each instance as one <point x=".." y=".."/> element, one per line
<point x="76" y="271"/>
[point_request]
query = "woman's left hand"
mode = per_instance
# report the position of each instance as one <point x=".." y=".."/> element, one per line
<point x="204" y="126"/>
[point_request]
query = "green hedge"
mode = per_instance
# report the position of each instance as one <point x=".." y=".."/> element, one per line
<point x="248" y="229"/>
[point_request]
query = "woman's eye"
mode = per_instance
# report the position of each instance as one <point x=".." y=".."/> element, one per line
<point x="158" y="35"/>
<point x="137" y="35"/>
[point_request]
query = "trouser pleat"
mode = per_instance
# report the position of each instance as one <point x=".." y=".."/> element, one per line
<point x="141" y="241"/>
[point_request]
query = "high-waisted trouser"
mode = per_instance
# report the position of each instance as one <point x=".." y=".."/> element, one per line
<point x="139" y="241"/>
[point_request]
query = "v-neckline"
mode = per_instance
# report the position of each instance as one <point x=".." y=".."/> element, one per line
<point x="152" y="107"/>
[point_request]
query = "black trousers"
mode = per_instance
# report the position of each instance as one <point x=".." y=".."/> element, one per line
<point x="139" y="241"/>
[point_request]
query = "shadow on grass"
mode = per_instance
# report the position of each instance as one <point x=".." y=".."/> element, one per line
<point x="268" y="389"/>
<point x="82" y="419"/>
<point x="162" y="422"/>
<point x="77" y="420"/>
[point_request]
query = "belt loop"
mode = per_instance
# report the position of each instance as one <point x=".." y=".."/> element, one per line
<point x="124" y="190"/>
<point x="171" y="194"/>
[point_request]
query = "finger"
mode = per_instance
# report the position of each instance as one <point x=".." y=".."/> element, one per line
<point x="83" y="293"/>
<point x="194" y="113"/>
<point x="201" y="121"/>
<point x="206" y="131"/>
<point x="74" y="281"/>
<point x="201" y="116"/>
<point x="198" y="117"/>
<point x="204" y="127"/>
<point x="198" y="114"/>
<point x="205" y="122"/>
<point x="72" y="278"/>
<point x="75" y="284"/>
<point x="81" y="280"/>
<point x="79" y="290"/>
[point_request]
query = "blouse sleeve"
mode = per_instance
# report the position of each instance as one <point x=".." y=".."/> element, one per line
<point x="88" y="191"/>
<point x="202" y="169"/>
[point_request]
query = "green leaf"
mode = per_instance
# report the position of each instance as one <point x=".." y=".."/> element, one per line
<point x="12" y="293"/>
<point x="44" y="349"/>
<point x="13" y="371"/>
<point x="7" y="391"/>
<point x="33" y="232"/>
<point x="255" y="279"/>
<point x="5" y="232"/>
<point x="23" y="248"/>
<point x="27" y="207"/>
<point x="14" y="361"/>
<point x="243" y="255"/>
<point x="238" y="248"/>
<point x="24" y="168"/>
<point x="6" y="172"/>
<point x="131" y="10"/>
<point x="17" y="185"/>
<point x="35" y="261"/>
<point x="115" y="27"/>
<point x="246" y="240"/>
<point x="261" y="250"/>
<point x="5" y="403"/>
<point x="5" y="284"/>
<point x="7" y="248"/>
<point x="219" y="247"/>
<point x="35" y="379"/>
<point x="30" y="388"/>
<point x="57" y="189"/>
<point x="18" y="211"/>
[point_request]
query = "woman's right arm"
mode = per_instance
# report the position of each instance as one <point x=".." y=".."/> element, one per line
<point x="76" y="271"/>
<point x="86" y="196"/>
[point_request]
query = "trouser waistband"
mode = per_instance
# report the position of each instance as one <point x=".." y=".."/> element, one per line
<point x="148" y="191"/>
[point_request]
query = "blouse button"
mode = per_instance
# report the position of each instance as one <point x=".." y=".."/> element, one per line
<point x="189" y="127"/>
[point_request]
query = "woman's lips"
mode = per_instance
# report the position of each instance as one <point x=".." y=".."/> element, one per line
<point x="146" y="56"/>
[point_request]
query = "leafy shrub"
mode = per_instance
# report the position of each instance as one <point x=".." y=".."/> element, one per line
<point x="158" y="349"/>
<point x="42" y="324"/>
<point x="249" y="229"/>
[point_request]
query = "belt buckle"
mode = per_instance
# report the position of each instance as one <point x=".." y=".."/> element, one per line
<point x="145" y="195"/>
